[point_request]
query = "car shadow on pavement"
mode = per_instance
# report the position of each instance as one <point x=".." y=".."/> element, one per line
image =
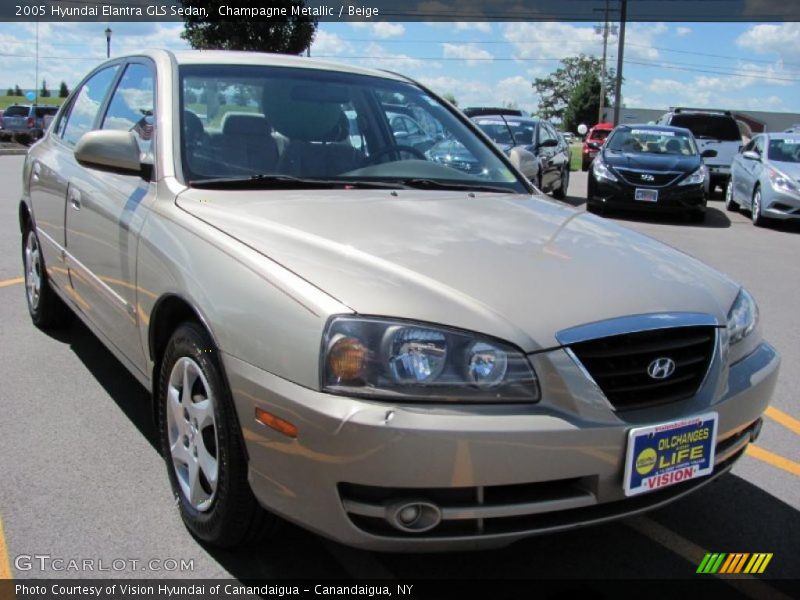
<point x="126" y="391"/>
<point x="715" y="218"/>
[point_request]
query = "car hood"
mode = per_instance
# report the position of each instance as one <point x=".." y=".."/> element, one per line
<point x="652" y="162"/>
<point x="790" y="169"/>
<point x="517" y="267"/>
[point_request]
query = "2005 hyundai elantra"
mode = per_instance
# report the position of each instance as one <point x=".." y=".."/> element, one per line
<point x="390" y="351"/>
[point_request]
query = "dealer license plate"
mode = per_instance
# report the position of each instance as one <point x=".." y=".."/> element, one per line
<point x="646" y="195"/>
<point x="669" y="453"/>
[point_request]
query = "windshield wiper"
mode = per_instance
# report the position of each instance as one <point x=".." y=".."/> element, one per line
<point x="432" y="184"/>
<point x="286" y="182"/>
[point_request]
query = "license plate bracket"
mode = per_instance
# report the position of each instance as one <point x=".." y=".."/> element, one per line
<point x="668" y="453"/>
<point x="645" y="195"/>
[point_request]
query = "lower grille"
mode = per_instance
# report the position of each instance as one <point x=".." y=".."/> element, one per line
<point x="619" y="364"/>
<point x="647" y="179"/>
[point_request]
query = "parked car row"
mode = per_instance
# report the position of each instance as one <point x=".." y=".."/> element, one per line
<point x="675" y="164"/>
<point x="400" y="349"/>
<point x="32" y="119"/>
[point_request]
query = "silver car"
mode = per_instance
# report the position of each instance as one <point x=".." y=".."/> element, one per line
<point x="382" y="348"/>
<point x="765" y="178"/>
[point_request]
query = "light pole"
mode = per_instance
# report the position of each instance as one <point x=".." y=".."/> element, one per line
<point x="604" y="30"/>
<point x="108" y="42"/>
<point x="623" y="15"/>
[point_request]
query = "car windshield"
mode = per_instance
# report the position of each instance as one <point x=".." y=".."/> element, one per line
<point x="652" y="141"/>
<point x="278" y="124"/>
<point x="716" y="127"/>
<point x="784" y="150"/>
<point x="16" y="111"/>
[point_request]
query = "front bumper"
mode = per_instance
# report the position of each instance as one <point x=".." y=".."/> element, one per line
<point x="619" y="194"/>
<point x="780" y="205"/>
<point x="497" y="473"/>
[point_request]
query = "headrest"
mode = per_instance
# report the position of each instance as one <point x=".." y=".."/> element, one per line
<point x="298" y="119"/>
<point x="245" y="124"/>
<point x="192" y="125"/>
<point x="673" y="145"/>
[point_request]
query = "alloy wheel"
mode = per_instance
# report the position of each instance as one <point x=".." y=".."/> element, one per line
<point x="192" y="430"/>
<point x="33" y="270"/>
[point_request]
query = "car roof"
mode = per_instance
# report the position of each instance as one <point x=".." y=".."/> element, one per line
<point x="603" y="126"/>
<point x="682" y="130"/>
<point x="234" y="57"/>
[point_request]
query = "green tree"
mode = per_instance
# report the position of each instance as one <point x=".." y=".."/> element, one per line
<point x="44" y="92"/>
<point x="63" y="90"/>
<point x="18" y="91"/>
<point x="556" y="89"/>
<point x="450" y="98"/>
<point x="10" y="92"/>
<point x="286" y="35"/>
<point x="584" y="103"/>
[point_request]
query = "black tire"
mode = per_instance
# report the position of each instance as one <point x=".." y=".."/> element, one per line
<point x="758" y="219"/>
<point x="584" y="165"/>
<point x="47" y="310"/>
<point x="561" y="192"/>
<point x="730" y="204"/>
<point x="234" y="517"/>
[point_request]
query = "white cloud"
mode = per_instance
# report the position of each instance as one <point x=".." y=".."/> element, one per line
<point x="382" y="58"/>
<point x="683" y="31"/>
<point x="473" y="92"/>
<point x="380" y="29"/>
<point x="783" y="39"/>
<point x="330" y="43"/>
<point x="469" y="52"/>
<point x="551" y="40"/>
<point x="640" y="39"/>
<point x="482" y="26"/>
<point x="517" y="90"/>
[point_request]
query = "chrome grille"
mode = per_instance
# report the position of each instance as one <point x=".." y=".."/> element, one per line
<point x="647" y="178"/>
<point x="619" y="364"/>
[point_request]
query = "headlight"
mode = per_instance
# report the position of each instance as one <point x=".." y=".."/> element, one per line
<point x="742" y="321"/>
<point x="781" y="182"/>
<point x="398" y="360"/>
<point x="601" y="171"/>
<point x="696" y="178"/>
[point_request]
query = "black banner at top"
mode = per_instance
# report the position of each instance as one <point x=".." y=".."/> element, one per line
<point x="401" y="10"/>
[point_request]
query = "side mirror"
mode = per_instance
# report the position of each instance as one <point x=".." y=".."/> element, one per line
<point x="751" y="155"/>
<point x="549" y="143"/>
<point x="708" y="153"/>
<point x="110" y="150"/>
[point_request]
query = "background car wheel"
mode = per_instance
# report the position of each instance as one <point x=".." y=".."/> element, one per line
<point x="47" y="310"/>
<point x="561" y="192"/>
<point x="755" y="209"/>
<point x="202" y="445"/>
<point x="729" y="202"/>
<point x="584" y="165"/>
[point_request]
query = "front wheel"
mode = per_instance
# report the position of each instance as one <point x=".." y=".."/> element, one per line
<point x="755" y="209"/>
<point x="202" y="445"/>
<point x="730" y="203"/>
<point x="561" y="192"/>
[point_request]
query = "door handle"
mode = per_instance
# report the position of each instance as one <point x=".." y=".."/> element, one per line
<point x="75" y="199"/>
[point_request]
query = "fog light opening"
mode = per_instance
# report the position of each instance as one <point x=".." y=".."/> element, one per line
<point x="413" y="516"/>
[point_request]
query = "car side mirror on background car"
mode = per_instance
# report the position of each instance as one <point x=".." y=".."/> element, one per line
<point x="751" y="155"/>
<point x="110" y="150"/>
<point x="708" y="154"/>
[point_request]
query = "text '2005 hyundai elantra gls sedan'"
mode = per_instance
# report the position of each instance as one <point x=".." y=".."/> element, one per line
<point x="389" y="351"/>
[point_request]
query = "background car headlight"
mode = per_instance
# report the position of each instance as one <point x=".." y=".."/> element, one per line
<point x="398" y="360"/>
<point x="781" y="182"/>
<point x="742" y="322"/>
<point x="601" y="171"/>
<point x="696" y="178"/>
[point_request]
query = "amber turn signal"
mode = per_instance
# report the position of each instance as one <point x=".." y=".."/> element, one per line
<point x="347" y="359"/>
<point x="276" y="423"/>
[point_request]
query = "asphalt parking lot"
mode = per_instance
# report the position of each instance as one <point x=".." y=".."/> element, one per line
<point x="80" y="476"/>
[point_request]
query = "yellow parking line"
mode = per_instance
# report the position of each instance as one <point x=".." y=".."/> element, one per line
<point x="7" y="282"/>
<point x="676" y="543"/>
<point x="781" y="417"/>
<point x="776" y="460"/>
<point x="5" y="566"/>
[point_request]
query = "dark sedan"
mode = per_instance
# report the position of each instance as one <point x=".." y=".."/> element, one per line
<point x="649" y="167"/>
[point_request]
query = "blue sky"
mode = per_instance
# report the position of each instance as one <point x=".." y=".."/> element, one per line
<point x="725" y="65"/>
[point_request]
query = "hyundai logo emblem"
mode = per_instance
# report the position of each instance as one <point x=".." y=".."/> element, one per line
<point x="647" y="177"/>
<point x="661" y="368"/>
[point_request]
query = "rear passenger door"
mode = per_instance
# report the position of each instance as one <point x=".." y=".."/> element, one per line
<point x="106" y="212"/>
